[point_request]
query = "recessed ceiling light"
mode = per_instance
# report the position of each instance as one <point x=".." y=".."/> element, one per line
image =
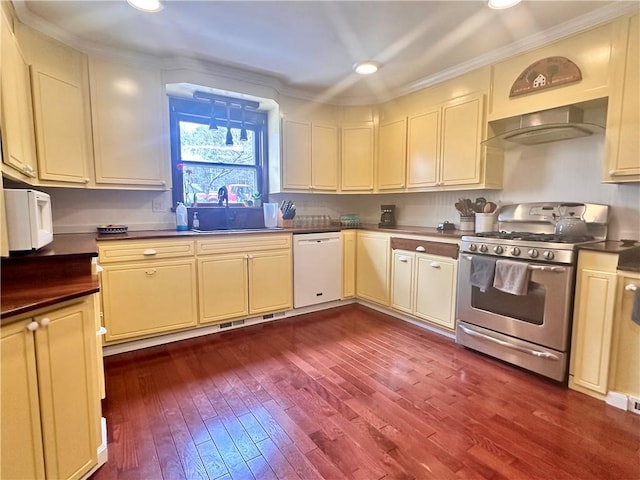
<point x="146" y="5"/>
<point x="501" y="4"/>
<point x="366" y="68"/>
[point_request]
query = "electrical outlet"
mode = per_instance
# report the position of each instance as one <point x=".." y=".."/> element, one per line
<point x="157" y="205"/>
<point x="634" y="405"/>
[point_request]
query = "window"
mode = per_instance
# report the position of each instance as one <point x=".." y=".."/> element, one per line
<point x="202" y="159"/>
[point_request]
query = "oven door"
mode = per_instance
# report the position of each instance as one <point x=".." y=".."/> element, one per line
<point x="542" y="316"/>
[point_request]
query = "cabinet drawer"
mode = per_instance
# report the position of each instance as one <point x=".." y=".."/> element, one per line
<point x="243" y="243"/>
<point x="117" y="251"/>
<point x="425" y="246"/>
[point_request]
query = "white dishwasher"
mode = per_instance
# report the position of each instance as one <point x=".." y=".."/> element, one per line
<point x="317" y="268"/>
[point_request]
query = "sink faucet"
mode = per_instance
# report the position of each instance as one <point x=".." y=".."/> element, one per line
<point x="223" y="196"/>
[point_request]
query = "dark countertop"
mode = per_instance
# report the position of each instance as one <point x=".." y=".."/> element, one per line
<point x="629" y="254"/>
<point x="425" y="231"/>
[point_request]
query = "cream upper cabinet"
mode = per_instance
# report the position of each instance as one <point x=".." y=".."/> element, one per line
<point x="310" y="156"/>
<point x="18" y="141"/>
<point x="622" y="147"/>
<point x="61" y="109"/>
<point x="324" y="157"/>
<point x="373" y="267"/>
<point x="357" y="154"/>
<point x="296" y="155"/>
<point x="348" y="263"/>
<point x="50" y="403"/>
<point x="392" y="155"/>
<point x="593" y="322"/>
<point x="590" y="51"/>
<point x="130" y="125"/>
<point x="445" y="150"/>
<point x="423" y="149"/>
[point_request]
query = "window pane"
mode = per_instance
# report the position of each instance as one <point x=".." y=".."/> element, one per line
<point x="200" y="144"/>
<point x="201" y="183"/>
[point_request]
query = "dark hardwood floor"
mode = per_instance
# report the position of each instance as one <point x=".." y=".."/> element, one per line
<point x="350" y="393"/>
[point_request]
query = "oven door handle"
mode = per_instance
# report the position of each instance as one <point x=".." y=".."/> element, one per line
<point x="540" y="268"/>
<point x="535" y="353"/>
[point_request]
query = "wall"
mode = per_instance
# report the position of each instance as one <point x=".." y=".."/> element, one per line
<point x="561" y="171"/>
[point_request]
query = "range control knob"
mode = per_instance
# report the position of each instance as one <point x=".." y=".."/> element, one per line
<point x="515" y="251"/>
<point x="483" y="248"/>
<point x="472" y="247"/>
<point x="548" y="255"/>
<point x="498" y="249"/>
<point x="533" y="253"/>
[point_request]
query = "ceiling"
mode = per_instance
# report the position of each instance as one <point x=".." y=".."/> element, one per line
<point x="309" y="47"/>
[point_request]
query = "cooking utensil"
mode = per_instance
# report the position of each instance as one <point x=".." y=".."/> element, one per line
<point x="479" y="204"/>
<point x="490" y="207"/>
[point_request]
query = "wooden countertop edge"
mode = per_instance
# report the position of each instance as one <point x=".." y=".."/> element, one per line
<point x="19" y="301"/>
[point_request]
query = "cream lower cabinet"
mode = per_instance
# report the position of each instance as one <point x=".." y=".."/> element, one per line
<point x="241" y="276"/>
<point x="50" y="404"/>
<point x="148" y="288"/>
<point x="348" y="263"/>
<point x="373" y="267"/>
<point x="593" y="316"/>
<point x="625" y="351"/>
<point x="424" y="285"/>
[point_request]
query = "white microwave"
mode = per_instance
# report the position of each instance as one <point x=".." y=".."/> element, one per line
<point x="29" y="222"/>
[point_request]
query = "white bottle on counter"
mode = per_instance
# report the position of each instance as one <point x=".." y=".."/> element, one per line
<point x="181" y="217"/>
<point x="196" y="221"/>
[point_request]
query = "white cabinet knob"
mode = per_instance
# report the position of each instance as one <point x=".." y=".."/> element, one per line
<point x="151" y="272"/>
<point x="99" y="269"/>
<point x="101" y="331"/>
<point x="86" y="180"/>
<point x="33" y="326"/>
<point x="420" y="248"/>
<point x="434" y="265"/>
<point x="631" y="287"/>
<point x="44" y="321"/>
<point x="149" y="251"/>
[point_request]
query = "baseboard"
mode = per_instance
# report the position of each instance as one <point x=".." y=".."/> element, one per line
<point x="132" y="345"/>
<point x="617" y="399"/>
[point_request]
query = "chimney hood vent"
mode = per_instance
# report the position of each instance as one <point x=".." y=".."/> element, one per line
<point x="562" y="123"/>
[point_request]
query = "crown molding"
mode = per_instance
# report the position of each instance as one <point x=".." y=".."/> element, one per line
<point x="584" y="22"/>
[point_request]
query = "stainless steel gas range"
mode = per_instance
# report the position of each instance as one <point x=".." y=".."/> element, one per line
<point x="516" y="285"/>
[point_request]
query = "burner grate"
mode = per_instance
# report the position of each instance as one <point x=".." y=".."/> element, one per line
<point x="537" y="237"/>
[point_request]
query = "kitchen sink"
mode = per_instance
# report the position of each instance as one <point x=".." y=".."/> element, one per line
<point x="235" y="230"/>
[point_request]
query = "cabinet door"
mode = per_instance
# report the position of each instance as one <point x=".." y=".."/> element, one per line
<point x="593" y="324"/>
<point x="69" y="400"/>
<point x="625" y="361"/>
<point x="324" y="157"/>
<point x="222" y="284"/>
<point x="296" y="155"/>
<point x="623" y="119"/>
<point x="148" y="298"/>
<point x="21" y="438"/>
<point x="372" y="267"/>
<point x="402" y="281"/>
<point x="60" y="129"/>
<point x="130" y="128"/>
<point x="18" y="139"/>
<point x="392" y="155"/>
<point x="462" y="121"/>
<point x="435" y="292"/>
<point x="357" y="157"/>
<point x="348" y="263"/>
<point x="270" y="281"/>
<point x="423" y="149"/>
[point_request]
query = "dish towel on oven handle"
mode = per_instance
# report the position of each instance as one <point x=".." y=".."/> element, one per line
<point x="635" y="309"/>
<point x="512" y="277"/>
<point x="482" y="271"/>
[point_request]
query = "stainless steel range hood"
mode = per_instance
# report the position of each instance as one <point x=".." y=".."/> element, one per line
<point x="562" y="123"/>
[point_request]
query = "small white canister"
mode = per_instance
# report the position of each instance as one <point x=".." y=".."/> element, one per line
<point x="467" y="223"/>
<point x="485" y="222"/>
